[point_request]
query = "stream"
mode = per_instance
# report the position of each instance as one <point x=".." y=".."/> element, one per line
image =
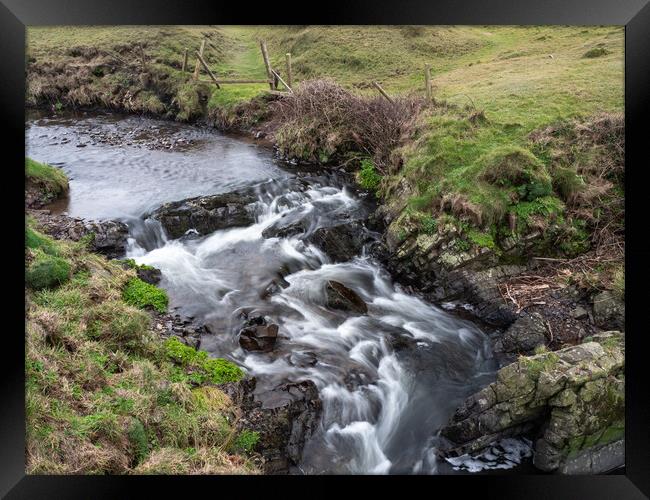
<point x="382" y="405"/>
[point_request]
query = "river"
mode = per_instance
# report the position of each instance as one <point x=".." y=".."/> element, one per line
<point x="381" y="406"/>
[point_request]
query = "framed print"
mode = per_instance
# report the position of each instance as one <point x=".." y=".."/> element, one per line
<point x="364" y="245"/>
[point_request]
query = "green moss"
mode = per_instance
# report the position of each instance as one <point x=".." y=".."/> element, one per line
<point x="535" y="365"/>
<point x="47" y="271"/>
<point x="481" y="239"/>
<point x="368" y="177"/>
<point x="199" y="367"/>
<point x="247" y="440"/>
<point x="131" y="264"/>
<point x="140" y="294"/>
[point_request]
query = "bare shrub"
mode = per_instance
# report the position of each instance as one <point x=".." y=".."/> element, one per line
<point x="323" y="119"/>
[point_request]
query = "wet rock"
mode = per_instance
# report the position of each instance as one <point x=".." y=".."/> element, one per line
<point x="149" y="275"/>
<point x="285" y="417"/>
<point x="285" y="229"/>
<point x="302" y="359"/>
<point x="206" y="214"/>
<point x="524" y="335"/>
<point x="257" y="335"/>
<point x="574" y="399"/>
<point x="338" y="296"/>
<point x="341" y="242"/>
<point x="609" y="311"/>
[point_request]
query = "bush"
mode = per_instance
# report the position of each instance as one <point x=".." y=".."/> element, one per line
<point x="323" y="118"/>
<point x="368" y="177"/>
<point x="47" y="271"/>
<point x="140" y="294"/>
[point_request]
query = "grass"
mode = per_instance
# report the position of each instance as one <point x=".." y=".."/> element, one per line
<point x="49" y="182"/>
<point x="102" y="396"/>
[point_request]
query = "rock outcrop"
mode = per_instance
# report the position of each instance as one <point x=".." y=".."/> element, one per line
<point x="206" y="214"/>
<point x="109" y="237"/>
<point x="285" y="417"/>
<point x="571" y="401"/>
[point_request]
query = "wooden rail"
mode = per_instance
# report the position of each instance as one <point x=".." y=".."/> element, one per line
<point x="382" y="92"/>
<point x="205" y="65"/>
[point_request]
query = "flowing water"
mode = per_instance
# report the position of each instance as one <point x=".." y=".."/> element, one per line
<point x="388" y="380"/>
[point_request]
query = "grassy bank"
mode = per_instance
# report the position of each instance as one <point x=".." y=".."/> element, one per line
<point x="105" y="394"/>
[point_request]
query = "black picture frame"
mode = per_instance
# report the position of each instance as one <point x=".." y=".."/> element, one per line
<point x="633" y="482"/>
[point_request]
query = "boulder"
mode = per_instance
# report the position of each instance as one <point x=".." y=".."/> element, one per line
<point x="338" y="296"/>
<point x="572" y="399"/>
<point x="342" y="242"/>
<point x="524" y="335"/>
<point x="257" y="335"/>
<point x="206" y="214"/>
<point x="609" y="311"/>
<point x="285" y="416"/>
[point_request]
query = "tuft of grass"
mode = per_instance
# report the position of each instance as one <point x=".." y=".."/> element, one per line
<point x="35" y="240"/>
<point x="247" y="440"/>
<point x="140" y="294"/>
<point x="47" y="271"/>
<point x="596" y="52"/>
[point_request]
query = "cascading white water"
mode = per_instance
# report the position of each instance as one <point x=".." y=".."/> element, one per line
<point x="371" y="396"/>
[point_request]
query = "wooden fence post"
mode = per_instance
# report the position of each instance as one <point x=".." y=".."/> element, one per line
<point x="184" y="61"/>
<point x="427" y="79"/>
<point x="289" y="76"/>
<point x="207" y="69"/>
<point x="267" y="63"/>
<point x="198" y="64"/>
<point x="382" y="91"/>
